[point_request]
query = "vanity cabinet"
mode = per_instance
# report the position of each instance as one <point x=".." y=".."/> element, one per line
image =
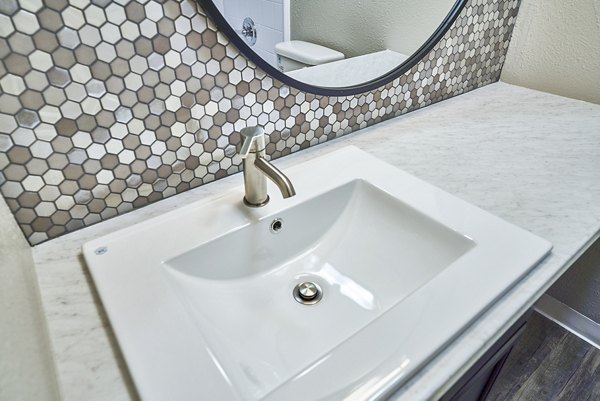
<point x="479" y="379"/>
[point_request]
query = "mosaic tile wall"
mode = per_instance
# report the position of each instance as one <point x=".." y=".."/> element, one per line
<point x="107" y="106"/>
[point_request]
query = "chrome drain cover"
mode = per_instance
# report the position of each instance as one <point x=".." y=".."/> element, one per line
<point x="308" y="293"/>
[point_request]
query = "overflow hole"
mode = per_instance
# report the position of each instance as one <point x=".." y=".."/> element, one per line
<point x="276" y="225"/>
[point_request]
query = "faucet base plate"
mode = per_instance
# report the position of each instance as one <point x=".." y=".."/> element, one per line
<point x="249" y="204"/>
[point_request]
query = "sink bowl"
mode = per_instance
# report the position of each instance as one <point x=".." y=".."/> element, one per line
<point x="202" y="299"/>
<point x="364" y="248"/>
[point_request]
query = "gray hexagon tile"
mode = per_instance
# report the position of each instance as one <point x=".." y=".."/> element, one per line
<point x="107" y="106"/>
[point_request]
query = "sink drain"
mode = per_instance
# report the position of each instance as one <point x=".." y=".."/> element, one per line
<point x="308" y="293"/>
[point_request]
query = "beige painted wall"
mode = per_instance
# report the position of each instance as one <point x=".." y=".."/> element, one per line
<point x="357" y="27"/>
<point x="555" y="48"/>
<point x="26" y="368"/>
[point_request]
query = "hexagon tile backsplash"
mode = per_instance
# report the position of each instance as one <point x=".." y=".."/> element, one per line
<point x="108" y="105"/>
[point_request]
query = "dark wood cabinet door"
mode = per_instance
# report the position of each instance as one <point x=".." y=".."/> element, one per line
<point x="477" y="382"/>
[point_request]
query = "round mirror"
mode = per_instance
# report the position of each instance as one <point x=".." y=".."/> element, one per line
<point x="334" y="47"/>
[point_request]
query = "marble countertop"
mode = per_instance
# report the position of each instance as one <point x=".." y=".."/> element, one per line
<point x="528" y="157"/>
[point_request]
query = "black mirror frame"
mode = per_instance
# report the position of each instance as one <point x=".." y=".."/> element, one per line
<point x="209" y="7"/>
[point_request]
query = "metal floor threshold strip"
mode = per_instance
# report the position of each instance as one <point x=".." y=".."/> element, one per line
<point x="568" y="318"/>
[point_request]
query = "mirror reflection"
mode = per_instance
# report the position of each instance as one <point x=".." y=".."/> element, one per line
<point x="334" y="43"/>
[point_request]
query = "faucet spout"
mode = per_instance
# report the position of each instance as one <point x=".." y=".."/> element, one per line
<point x="274" y="174"/>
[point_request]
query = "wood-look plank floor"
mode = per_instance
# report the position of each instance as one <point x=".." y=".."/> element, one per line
<point x="549" y="364"/>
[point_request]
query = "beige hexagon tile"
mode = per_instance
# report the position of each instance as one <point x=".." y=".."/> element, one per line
<point x="109" y="106"/>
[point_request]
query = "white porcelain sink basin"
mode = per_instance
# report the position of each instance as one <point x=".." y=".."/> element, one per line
<point x="201" y="298"/>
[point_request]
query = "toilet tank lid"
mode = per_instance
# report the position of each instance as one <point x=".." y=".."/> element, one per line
<point x="307" y="53"/>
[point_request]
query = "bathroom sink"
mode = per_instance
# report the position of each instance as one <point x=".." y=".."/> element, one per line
<point x="205" y="300"/>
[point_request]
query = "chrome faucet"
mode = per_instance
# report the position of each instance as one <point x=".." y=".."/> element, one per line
<point x="257" y="169"/>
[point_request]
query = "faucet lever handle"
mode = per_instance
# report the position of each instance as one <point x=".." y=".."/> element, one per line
<point x="252" y="136"/>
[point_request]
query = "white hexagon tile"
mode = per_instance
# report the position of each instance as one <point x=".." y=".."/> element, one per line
<point x="108" y="105"/>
